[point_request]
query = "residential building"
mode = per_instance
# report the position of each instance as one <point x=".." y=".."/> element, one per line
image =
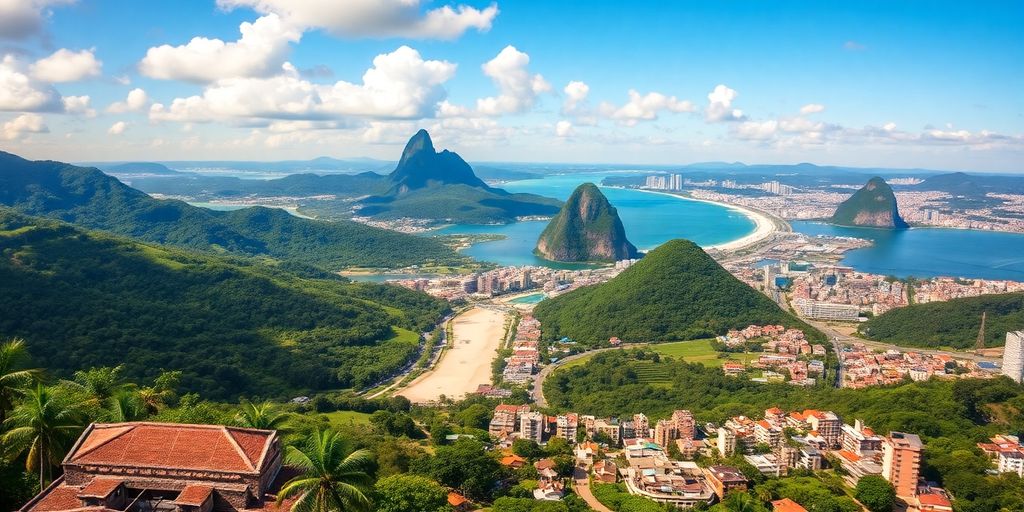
<point x="532" y="426"/>
<point x="827" y="424"/>
<point x="566" y="426"/>
<point x="726" y="442"/>
<point x="143" y="466"/>
<point x="766" y="433"/>
<point x="641" y="425"/>
<point x="768" y="464"/>
<point x="665" y="432"/>
<point x="684" y="423"/>
<point x="725" y="479"/>
<point x="827" y="310"/>
<point x="901" y="462"/>
<point x="611" y="428"/>
<point x="680" y="484"/>
<point x="1013" y="356"/>
<point x="605" y="471"/>
<point x="787" y="505"/>
<point x="860" y="439"/>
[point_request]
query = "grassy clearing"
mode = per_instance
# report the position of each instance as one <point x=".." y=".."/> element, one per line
<point x="344" y="418"/>
<point x="699" y="351"/>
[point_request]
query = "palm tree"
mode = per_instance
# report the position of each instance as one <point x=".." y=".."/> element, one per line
<point x="44" y="425"/>
<point x="125" y="405"/>
<point x="100" y="383"/>
<point x="739" y="501"/>
<point x="262" y="416"/>
<point x="14" y="376"/>
<point x="334" y="480"/>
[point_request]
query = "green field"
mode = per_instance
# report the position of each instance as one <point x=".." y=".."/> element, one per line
<point x="698" y="351"/>
<point x="344" y="418"/>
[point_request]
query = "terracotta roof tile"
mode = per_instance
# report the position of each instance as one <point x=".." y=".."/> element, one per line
<point x="100" y="487"/>
<point x="170" y="445"/>
<point x="455" y="499"/>
<point x="62" y="497"/>
<point x="194" y="495"/>
<point x="787" y="505"/>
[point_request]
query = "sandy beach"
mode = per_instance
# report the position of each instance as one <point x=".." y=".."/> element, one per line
<point x="477" y="335"/>
<point x="763" y="225"/>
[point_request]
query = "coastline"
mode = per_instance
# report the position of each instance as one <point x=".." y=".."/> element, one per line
<point x="764" y="225"/>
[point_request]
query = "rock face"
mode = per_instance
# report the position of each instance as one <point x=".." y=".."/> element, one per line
<point x="874" y="205"/>
<point x="587" y="228"/>
<point x="422" y="166"/>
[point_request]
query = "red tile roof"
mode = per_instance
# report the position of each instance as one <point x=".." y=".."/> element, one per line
<point x="455" y="499"/>
<point x="100" y="487"/>
<point x="62" y="497"/>
<point x="787" y="505"/>
<point x="194" y="495"/>
<point x="934" y="500"/>
<point x="208" y="447"/>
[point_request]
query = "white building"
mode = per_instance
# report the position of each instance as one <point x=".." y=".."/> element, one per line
<point x="1013" y="356"/>
<point x="531" y="426"/>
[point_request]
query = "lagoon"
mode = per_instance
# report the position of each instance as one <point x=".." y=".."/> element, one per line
<point x="650" y="220"/>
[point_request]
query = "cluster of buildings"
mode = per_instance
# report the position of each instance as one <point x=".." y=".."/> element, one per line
<point x="863" y="367"/>
<point x="1007" y="453"/>
<point x="669" y="182"/>
<point x="787" y="356"/>
<point x="511" y="279"/>
<point x="520" y="366"/>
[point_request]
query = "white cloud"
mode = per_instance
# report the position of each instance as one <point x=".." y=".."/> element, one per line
<point x="720" y="105"/>
<point x="20" y="92"/>
<point x="812" y="108"/>
<point x="23" y="18"/>
<point x="517" y="88"/>
<point x="564" y="129"/>
<point x="24" y="125"/>
<point x="260" y="52"/>
<point x="645" y="107"/>
<point x="117" y="128"/>
<point x="135" y="102"/>
<point x="854" y="46"/>
<point x="66" y="66"/>
<point x="399" y="85"/>
<point x="375" y="18"/>
<point x="78" y="105"/>
<point x="576" y="93"/>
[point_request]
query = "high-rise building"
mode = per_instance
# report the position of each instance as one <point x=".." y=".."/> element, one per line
<point x="532" y="426"/>
<point x="566" y="426"/>
<point x="828" y="425"/>
<point x="665" y="432"/>
<point x="1013" y="356"/>
<point x="684" y="423"/>
<point x="726" y="442"/>
<point x="901" y="462"/>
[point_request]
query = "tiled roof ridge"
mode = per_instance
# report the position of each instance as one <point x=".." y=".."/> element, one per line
<point x="127" y="427"/>
<point x="238" y="448"/>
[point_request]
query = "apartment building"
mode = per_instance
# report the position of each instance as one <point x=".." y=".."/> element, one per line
<point x="901" y="462"/>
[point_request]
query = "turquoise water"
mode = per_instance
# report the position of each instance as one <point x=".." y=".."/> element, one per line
<point x="532" y="298"/>
<point x="650" y="220"/>
<point x="931" y="252"/>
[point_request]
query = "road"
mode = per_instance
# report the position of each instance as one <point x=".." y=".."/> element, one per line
<point x="582" y="488"/>
<point x="538" y="380"/>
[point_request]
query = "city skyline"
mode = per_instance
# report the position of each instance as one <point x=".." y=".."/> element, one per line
<point x="873" y="85"/>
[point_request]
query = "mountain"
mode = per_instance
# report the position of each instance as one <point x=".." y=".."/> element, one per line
<point x="587" y="228"/>
<point x="140" y="168"/>
<point x="87" y="197"/>
<point x="874" y="205"/>
<point x="953" y="323"/>
<point x="295" y="185"/>
<point x="441" y="186"/>
<point x="232" y="326"/>
<point x="676" y="292"/>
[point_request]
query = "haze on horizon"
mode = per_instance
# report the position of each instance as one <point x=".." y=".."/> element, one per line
<point x="875" y="84"/>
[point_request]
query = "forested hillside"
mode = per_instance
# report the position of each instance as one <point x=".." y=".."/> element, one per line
<point x="89" y="198"/>
<point x="676" y="292"/>
<point x="953" y="323"/>
<point x="83" y="299"/>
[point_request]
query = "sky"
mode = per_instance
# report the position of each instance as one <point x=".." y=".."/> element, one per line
<point x="913" y="84"/>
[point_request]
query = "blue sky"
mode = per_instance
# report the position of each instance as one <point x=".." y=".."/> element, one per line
<point x="901" y="84"/>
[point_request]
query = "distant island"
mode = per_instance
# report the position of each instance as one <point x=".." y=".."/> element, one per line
<point x="427" y="184"/>
<point x="874" y="205"/>
<point x="587" y="228"/>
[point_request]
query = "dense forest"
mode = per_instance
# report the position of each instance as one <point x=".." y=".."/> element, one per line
<point x="950" y="416"/>
<point x="953" y="323"/>
<point x="676" y="292"/>
<point x="232" y="326"/>
<point x="89" y="198"/>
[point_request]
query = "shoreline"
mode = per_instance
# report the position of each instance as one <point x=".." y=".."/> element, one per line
<point x="764" y="225"/>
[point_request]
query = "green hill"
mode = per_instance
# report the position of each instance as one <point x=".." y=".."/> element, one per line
<point x="587" y="228"/>
<point x="87" y="197"/>
<point x="82" y="299"/>
<point x="874" y="205"/>
<point x="441" y="186"/>
<point x="676" y="292"/>
<point x="953" y="323"/>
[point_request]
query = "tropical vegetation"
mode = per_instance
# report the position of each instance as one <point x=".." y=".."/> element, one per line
<point x="954" y="323"/>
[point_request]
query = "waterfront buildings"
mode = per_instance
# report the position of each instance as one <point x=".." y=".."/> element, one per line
<point x="1013" y="356"/>
<point x="827" y="310"/>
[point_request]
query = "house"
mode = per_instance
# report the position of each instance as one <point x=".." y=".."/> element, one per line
<point x="606" y="471"/>
<point x="458" y="502"/>
<point x="144" y="466"/>
<point x="787" y="505"/>
<point x="725" y="479"/>
<point x="513" y="461"/>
